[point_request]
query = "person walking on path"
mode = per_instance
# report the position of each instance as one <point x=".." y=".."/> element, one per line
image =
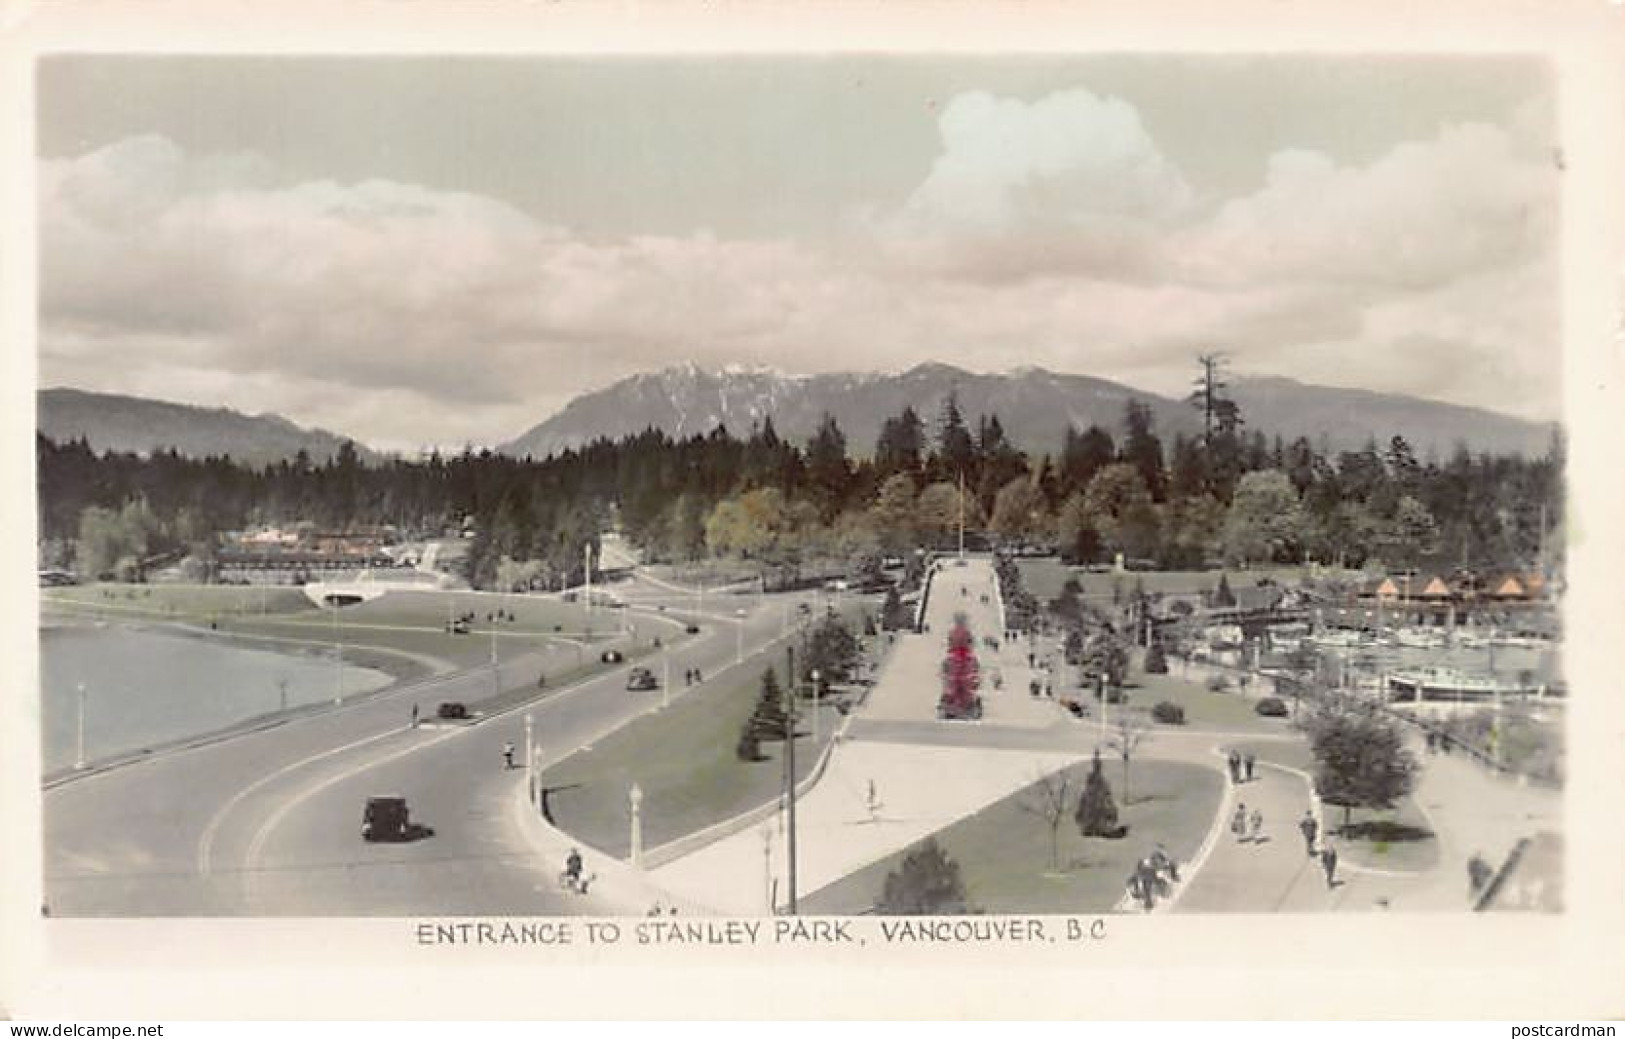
<point x="414" y="716"/>
<point x="1235" y="767"/>
<point x="1328" y="862"/>
<point x="1238" y="822"/>
<point x="1310" y="829"/>
<point x="1257" y="820"/>
<point x="507" y="755"/>
<point x="1248" y="762"/>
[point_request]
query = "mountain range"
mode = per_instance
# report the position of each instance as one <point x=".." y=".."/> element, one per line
<point x="1035" y="407"/>
<point x="111" y="422"/>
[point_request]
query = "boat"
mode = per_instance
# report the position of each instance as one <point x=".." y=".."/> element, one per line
<point x="1448" y="683"/>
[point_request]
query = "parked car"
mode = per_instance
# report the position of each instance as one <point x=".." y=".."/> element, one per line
<point x="452" y="710"/>
<point x="692" y="628"/>
<point x="640" y="679"/>
<point x="1272" y="707"/>
<point x="611" y="656"/>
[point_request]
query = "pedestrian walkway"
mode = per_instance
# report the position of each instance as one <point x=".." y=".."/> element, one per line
<point x="1266" y="875"/>
<point x="911" y="685"/>
<point x="918" y="791"/>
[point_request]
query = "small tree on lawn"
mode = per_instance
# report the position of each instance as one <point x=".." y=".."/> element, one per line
<point x="768" y="721"/>
<point x="1097" y="813"/>
<point x="926" y="884"/>
<point x="1106" y="655"/>
<point x="1361" y="760"/>
<point x="1156" y="659"/>
<point x="1128" y="729"/>
<point x="1048" y="799"/>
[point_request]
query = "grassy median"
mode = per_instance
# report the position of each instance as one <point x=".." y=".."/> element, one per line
<point x="1003" y="851"/>
<point x="684" y="760"/>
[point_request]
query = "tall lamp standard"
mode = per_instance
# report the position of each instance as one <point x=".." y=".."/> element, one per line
<point x="816" y="690"/>
<point x="338" y="655"/>
<point x="79" y="757"/>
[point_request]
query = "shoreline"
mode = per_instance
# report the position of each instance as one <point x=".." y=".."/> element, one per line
<point x="398" y="668"/>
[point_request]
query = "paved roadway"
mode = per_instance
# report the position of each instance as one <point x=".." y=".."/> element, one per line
<point x="268" y="822"/>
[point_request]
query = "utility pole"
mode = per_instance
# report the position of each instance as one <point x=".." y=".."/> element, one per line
<point x="790" y="776"/>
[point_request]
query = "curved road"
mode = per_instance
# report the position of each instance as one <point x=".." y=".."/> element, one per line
<point x="268" y="822"/>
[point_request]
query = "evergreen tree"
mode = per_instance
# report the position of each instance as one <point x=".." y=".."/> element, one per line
<point x="927" y="883"/>
<point x="900" y="447"/>
<point x="956" y="452"/>
<point x="1142" y="450"/>
<point x="829" y="475"/>
<point x="1097" y="812"/>
<point x="1082" y="456"/>
<point x="769" y="720"/>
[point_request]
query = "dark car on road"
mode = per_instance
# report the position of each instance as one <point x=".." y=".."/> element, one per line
<point x="640" y="679"/>
<point x="692" y="628"/>
<point x="611" y="656"/>
<point x="452" y="711"/>
<point x="385" y="819"/>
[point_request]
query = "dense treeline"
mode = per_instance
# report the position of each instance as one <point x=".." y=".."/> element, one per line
<point x="1226" y="495"/>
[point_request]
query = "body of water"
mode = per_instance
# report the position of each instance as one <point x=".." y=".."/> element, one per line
<point x="145" y="687"/>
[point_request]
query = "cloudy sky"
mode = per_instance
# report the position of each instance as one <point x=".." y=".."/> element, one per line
<point x="430" y="251"/>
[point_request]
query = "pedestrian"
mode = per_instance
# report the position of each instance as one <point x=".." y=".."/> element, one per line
<point x="1328" y="862"/>
<point x="414" y="716"/>
<point x="1257" y="824"/>
<point x="1235" y="767"/>
<point x="1479" y="872"/>
<point x="1310" y="829"/>
<point x="1238" y="822"/>
<point x="873" y="803"/>
<point x="507" y="755"/>
<point x="1248" y="762"/>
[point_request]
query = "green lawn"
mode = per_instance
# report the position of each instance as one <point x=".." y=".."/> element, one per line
<point x="1398" y="838"/>
<point x="1004" y="852"/>
<point x="178" y="601"/>
<point x="1229" y="711"/>
<point x="684" y="760"/>
<point x="411" y="621"/>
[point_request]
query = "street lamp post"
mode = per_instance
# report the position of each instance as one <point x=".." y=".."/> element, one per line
<point x="635" y="799"/>
<point x="530" y="752"/>
<point x="338" y="656"/>
<point x="767" y="867"/>
<point x="739" y="636"/>
<point x="790" y="779"/>
<point x="665" y="679"/>
<point x="816" y="690"/>
<point x="79" y="757"/>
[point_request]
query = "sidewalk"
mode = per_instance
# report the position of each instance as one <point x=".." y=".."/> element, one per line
<point x="1264" y="876"/>
<point x="920" y="790"/>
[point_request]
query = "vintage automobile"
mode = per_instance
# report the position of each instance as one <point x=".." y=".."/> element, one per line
<point x="451" y="710"/>
<point x="692" y="628"/>
<point x="386" y="819"/>
<point x="640" y="679"/>
<point x="611" y="656"/>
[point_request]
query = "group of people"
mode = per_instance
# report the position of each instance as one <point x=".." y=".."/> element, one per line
<point x="692" y="676"/>
<point x="1153" y="875"/>
<point x="1241" y="766"/>
<point x="1247" y="826"/>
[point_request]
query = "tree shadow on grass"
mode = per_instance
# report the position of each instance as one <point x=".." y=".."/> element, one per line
<point x="1384" y="831"/>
